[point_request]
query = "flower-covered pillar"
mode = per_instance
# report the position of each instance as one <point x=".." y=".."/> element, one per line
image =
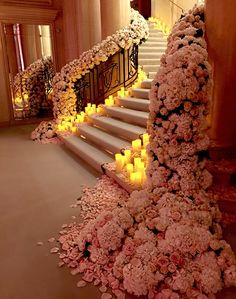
<point x="221" y="33"/>
<point x="115" y="14"/>
<point x="88" y="24"/>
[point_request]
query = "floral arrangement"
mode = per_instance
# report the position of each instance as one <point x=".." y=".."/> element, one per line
<point x="166" y="241"/>
<point x="64" y="98"/>
<point x="45" y="133"/>
<point x="29" y="88"/>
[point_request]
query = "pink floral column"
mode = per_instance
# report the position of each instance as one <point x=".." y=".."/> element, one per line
<point x="165" y="242"/>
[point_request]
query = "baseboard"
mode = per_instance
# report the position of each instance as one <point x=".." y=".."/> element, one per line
<point x="4" y="124"/>
<point x="221" y="152"/>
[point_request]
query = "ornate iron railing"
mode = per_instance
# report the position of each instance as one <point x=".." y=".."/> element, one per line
<point x="120" y="70"/>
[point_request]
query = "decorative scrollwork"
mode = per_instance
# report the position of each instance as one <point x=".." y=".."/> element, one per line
<point x="121" y="69"/>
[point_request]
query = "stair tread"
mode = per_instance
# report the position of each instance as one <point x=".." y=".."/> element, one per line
<point x="127" y="111"/>
<point x="110" y="142"/>
<point x="123" y="128"/>
<point x="134" y="99"/>
<point x="87" y="152"/>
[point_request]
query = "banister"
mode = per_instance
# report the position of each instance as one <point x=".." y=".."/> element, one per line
<point x="177" y="5"/>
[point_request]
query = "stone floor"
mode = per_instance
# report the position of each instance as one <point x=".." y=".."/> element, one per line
<point x="37" y="186"/>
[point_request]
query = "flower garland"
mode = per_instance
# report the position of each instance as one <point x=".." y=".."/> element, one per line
<point x="64" y="98"/>
<point x="29" y="88"/>
<point x="166" y="242"/>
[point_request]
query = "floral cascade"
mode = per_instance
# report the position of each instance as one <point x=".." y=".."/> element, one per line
<point x="166" y="241"/>
<point x="64" y="98"/>
<point x="29" y="88"/>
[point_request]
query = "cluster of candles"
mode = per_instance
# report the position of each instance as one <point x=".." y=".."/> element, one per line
<point x="69" y="123"/>
<point x="134" y="167"/>
<point x="110" y="101"/>
<point x="160" y="25"/>
<point x="122" y="92"/>
<point x="141" y="76"/>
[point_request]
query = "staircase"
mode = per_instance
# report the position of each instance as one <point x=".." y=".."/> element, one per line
<point x="104" y="135"/>
<point x="151" y="51"/>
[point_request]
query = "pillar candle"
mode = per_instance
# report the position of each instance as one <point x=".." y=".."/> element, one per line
<point x="127" y="154"/>
<point x="129" y="168"/>
<point x="136" y="145"/>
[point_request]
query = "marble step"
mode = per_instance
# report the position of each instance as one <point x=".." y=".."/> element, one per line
<point x="134" y="103"/>
<point x="147" y="83"/>
<point x="151" y="68"/>
<point x="117" y="127"/>
<point x="87" y="152"/>
<point x="140" y="93"/>
<point x="156" y="39"/>
<point x="150" y="55"/>
<point x="155" y="44"/>
<point x="128" y="115"/>
<point x="151" y="75"/>
<point x="160" y="49"/>
<point x="104" y="140"/>
<point x="149" y="61"/>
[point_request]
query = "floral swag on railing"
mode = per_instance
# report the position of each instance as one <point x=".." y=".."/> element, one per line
<point x="64" y="97"/>
<point x="31" y="88"/>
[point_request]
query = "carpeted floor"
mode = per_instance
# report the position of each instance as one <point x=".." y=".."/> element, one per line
<point x="38" y="184"/>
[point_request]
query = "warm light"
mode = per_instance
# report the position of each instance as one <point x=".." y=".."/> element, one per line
<point x="120" y="162"/>
<point x="143" y="154"/>
<point x="18" y="100"/>
<point x="145" y="138"/>
<point x="137" y="162"/>
<point x="127" y="154"/>
<point x="129" y="168"/>
<point x="73" y="129"/>
<point x="136" y="178"/>
<point x="136" y="144"/>
<point x="110" y="101"/>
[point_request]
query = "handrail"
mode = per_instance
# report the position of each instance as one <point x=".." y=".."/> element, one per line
<point x="75" y="84"/>
<point x="107" y="78"/>
<point x="181" y="8"/>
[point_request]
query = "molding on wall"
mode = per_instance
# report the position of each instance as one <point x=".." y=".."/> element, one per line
<point x="27" y="2"/>
<point x="29" y="15"/>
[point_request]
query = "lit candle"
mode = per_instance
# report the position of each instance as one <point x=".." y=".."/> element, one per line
<point x="139" y="178"/>
<point x="127" y="154"/>
<point x="145" y="138"/>
<point x="73" y="129"/>
<point x="129" y="168"/>
<point x="89" y="105"/>
<point x="133" y="178"/>
<point x="143" y="154"/>
<point x="119" y="162"/>
<point x="140" y="167"/>
<point x="137" y="161"/>
<point x="99" y="110"/>
<point x="136" y="144"/>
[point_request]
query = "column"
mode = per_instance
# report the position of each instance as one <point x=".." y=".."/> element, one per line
<point x="30" y="43"/>
<point x="46" y="40"/>
<point x="11" y="49"/>
<point x="89" y="24"/>
<point x="115" y="14"/>
<point x="221" y="33"/>
<point x="4" y="86"/>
